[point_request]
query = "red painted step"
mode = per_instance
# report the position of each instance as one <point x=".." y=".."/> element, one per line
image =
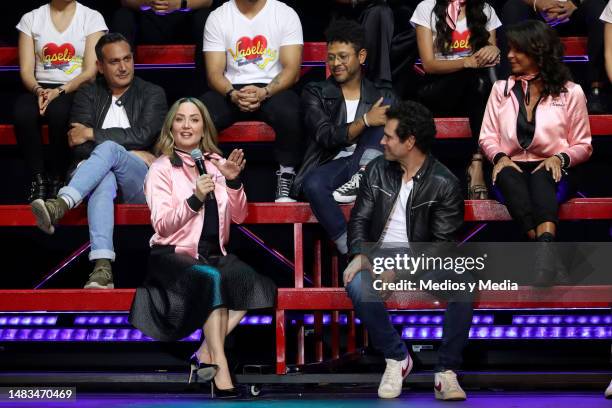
<point x="300" y="213"/>
<point x="314" y="52"/>
<point x="243" y="132"/>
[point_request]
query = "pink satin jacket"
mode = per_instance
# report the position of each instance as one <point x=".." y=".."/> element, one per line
<point x="562" y="126"/>
<point x="167" y="188"/>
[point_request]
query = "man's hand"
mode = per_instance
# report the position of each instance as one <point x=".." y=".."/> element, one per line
<point x="79" y="134"/>
<point x="376" y="116"/>
<point x="358" y="264"/>
<point x="165" y="6"/>
<point x="250" y="98"/>
<point x="554" y="11"/>
<point x="564" y="11"/>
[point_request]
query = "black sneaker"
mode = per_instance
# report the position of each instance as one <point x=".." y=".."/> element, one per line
<point x="347" y="193"/>
<point x="596" y="103"/>
<point x="284" y="182"/>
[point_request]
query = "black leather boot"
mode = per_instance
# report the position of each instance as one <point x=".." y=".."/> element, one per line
<point x="54" y="186"/>
<point x="545" y="261"/>
<point x="38" y="187"/>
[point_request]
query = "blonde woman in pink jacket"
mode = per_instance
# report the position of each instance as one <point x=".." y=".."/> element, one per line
<point x="535" y="128"/>
<point x="192" y="281"/>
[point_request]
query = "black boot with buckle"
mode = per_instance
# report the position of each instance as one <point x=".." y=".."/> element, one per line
<point x="39" y="187"/>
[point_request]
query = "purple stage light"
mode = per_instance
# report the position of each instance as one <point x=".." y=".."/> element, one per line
<point x="514" y="332"/>
<point x="397" y="319"/>
<point x="562" y="319"/>
<point x="80" y="335"/>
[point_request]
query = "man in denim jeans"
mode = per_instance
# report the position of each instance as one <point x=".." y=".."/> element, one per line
<point x="114" y="123"/>
<point x="344" y="116"/>
<point x="406" y="200"/>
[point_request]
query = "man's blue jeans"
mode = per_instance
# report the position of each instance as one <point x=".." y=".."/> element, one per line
<point x="320" y="183"/>
<point x="109" y="168"/>
<point x="370" y="308"/>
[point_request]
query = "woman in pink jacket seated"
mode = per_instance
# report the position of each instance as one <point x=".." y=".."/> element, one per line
<point x="535" y="128"/>
<point x="192" y="281"/>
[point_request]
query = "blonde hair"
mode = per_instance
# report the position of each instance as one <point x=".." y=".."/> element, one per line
<point x="208" y="142"/>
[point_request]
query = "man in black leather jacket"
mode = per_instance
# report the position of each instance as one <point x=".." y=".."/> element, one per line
<point x="407" y="198"/>
<point x="115" y="121"/>
<point x="343" y="117"/>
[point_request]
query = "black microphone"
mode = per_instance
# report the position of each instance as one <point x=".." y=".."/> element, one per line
<point x="198" y="158"/>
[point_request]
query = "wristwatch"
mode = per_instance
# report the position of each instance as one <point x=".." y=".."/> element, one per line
<point x="61" y="91"/>
<point x="228" y="94"/>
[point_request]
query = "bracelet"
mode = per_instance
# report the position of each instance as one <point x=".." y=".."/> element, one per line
<point x="365" y="120"/>
<point x="228" y="94"/>
<point x="534" y="6"/>
<point x="267" y="92"/>
<point x="560" y="157"/>
<point x="36" y="88"/>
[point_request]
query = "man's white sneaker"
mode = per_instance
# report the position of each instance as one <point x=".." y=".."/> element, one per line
<point x="609" y="391"/>
<point x="447" y="388"/>
<point x="393" y="378"/>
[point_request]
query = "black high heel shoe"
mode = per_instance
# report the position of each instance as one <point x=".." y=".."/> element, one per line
<point x="224" y="394"/>
<point x="201" y="371"/>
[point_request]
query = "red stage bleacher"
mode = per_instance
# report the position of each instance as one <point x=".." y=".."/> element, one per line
<point x="314" y="52"/>
<point x="314" y="298"/>
<point x="119" y="300"/>
<point x="247" y="132"/>
<point x="300" y="213"/>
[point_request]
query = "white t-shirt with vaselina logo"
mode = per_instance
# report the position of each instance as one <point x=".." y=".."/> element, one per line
<point x="252" y="45"/>
<point x="607" y="13"/>
<point x="59" y="56"/>
<point x="460" y="41"/>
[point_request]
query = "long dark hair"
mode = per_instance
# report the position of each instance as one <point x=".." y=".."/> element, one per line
<point x="541" y="43"/>
<point x="476" y="21"/>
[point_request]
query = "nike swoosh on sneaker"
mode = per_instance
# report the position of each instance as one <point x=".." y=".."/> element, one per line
<point x="438" y="386"/>
<point x="405" y="370"/>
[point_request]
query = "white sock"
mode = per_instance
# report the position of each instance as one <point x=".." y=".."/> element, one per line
<point x="341" y="244"/>
<point x="287" y="169"/>
<point x="68" y="201"/>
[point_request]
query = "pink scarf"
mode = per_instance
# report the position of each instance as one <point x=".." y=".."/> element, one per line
<point x="524" y="80"/>
<point x="452" y="13"/>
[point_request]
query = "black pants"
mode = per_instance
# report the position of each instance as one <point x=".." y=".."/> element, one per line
<point x="463" y="93"/>
<point x="584" y="20"/>
<point x="531" y="198"/>
<point x="28" y="122"/>
<point x="146" y="27"/>
<point x="281" y="112"/>
<point x="391" y="42"/>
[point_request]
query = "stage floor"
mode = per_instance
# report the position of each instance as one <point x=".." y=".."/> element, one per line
<point x="312" y="399"/>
